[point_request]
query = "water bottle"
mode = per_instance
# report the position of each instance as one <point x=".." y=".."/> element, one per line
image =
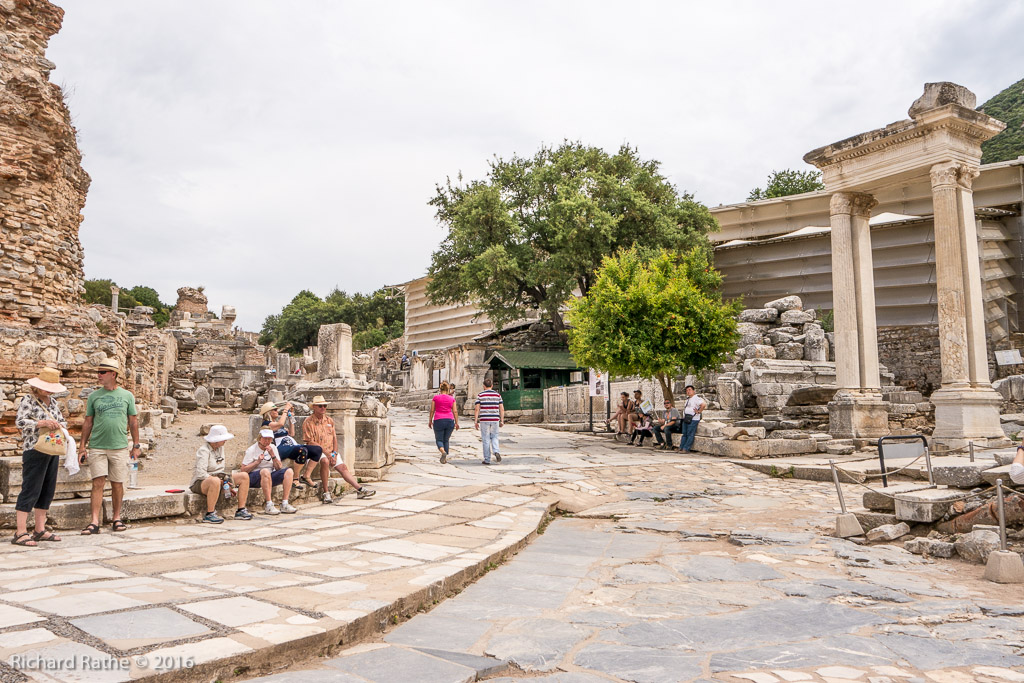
<point x="133" y="473"/>
<point x="227" y="491"/>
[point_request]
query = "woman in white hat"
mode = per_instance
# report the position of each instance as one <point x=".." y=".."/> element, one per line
<point x="209" y="478"/>
<point x="38" y="411"/>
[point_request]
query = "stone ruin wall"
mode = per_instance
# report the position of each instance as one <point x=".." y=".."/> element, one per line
<point x="191" y="300"/>
<point x="42" y="182"/>
<point x="43" y="186"/>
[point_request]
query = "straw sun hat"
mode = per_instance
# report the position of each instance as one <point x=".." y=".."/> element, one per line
<point x="48" y="380"/>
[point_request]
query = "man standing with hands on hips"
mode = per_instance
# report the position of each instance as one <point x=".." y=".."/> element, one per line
<point x="110" y="414"/>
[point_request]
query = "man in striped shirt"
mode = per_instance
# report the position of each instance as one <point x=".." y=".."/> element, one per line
<point x="489" y="414"/>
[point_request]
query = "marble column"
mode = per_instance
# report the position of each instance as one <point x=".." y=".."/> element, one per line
<point x="857" y="411"/>
<point x="966" y="406"/>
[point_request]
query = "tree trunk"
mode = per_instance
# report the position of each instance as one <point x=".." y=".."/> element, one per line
<point x="666" y="386"/>
<point x="556" y="320"/>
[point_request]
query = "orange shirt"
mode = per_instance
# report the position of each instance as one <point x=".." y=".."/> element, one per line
<point x="320" y="433"/>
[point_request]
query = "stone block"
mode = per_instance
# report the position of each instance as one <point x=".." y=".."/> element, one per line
<point x="888" y="532"/>
<point x="870" y="519"/>
<point x="249" y="399"/>
<point x="976" y="545"/>
<point x="1002" y="472"/>
<point x="789" y="434"/>
<point x="759" y="315"/>
<point x="1005" y="458"/>
<point x="710" y="428"/>
<point x="750" y="333"/>
<point x="926" y="505"/>
<point x="902" y="397"/>
<point x="775" y="337"/>
<point x="789" y="351"/>
<point x="166" y="420"/>
<point x="815" y="344"/>
<point x="1004" y="566"/>
<point x="735" y="432"/>
<point x="961" y="475"/>
<point x="730" y="393"/>
<point x="880" y="498"/>
<point x="929" y="547"/>
<point x="758" y="351"/>
<point x="786" y="303"/>
<point x="796" y="317"/>
<point x="811" y="396"/>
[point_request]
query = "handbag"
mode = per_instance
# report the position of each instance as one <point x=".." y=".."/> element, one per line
<point x="51" y="441"/>
<point x="687" y="419"/>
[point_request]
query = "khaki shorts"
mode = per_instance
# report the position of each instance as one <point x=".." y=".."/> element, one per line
<point x="112" y="464"/>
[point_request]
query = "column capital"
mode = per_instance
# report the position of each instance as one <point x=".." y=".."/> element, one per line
<point x="954" y="174"/>
<point x="852" y="203"/>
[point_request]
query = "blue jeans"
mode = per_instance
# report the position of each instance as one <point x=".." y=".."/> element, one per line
<point x="489" y="436"/>
<point x="689" y="431"/>
<point x="443" y="432"/>
<point x="665" y="433"/>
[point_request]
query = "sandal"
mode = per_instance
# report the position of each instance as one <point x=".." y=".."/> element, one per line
<point x="45" y="536"/>
<point x="90" y="530"/>
<point x="24" y="539"/>
<point x="118" y="525"/>
<point x="298" y="485"/>
<point x="308" y="482"/>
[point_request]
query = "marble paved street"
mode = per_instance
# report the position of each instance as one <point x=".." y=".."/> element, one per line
<point x="702" y="570"/>
<point x="673" y="568"/>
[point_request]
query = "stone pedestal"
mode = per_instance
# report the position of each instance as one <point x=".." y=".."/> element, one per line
<point x="967" y="414"/>
<point x="858" y="415"/>
<point x="365" y="447"/>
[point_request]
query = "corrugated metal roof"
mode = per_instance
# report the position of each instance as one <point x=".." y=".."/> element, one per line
<point x="537" y="360"/>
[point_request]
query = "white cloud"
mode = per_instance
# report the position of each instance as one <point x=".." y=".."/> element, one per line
<point x="258" y="148"/>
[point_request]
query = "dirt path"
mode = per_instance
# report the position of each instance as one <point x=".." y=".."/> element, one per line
<point x="170" y="462"/>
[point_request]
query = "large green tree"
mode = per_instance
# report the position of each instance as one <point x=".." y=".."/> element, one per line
<point x="654" y="318"/>
<point x="375" y="318"/>
<point x="535" y="230"/>
<point x="786" y="182"/>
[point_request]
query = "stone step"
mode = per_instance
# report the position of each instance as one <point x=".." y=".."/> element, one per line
<point x="154" y="502"/>
<point x="751" y="450"/>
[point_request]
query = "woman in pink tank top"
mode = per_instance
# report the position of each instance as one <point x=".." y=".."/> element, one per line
<point x="444" y="419"/>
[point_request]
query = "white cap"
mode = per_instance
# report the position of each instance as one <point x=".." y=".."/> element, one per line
<point x="266" y="433"/>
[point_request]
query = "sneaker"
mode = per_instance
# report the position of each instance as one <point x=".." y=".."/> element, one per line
<point x="242" y="513"/>
<point x="271" y="509"/>
<point x="288" y="509"/>
<point x="327" y="499"/>
<point x="487" y="462"/>
<point x="364" y="492"/>
<point x="497" y="457"/>
<point x="212" y="518"/>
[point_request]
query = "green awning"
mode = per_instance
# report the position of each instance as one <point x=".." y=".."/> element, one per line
<point x="536" y="360"/>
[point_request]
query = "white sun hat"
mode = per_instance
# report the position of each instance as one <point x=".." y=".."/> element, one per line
<point x="218" y="433"/>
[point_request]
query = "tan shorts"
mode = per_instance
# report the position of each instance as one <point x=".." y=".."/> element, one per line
<point x="112" y="464"/>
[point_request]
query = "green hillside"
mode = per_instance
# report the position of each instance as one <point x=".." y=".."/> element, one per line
<point x="1007" y="106"/>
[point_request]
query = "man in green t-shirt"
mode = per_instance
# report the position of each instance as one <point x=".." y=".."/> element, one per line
<point x="109" y="415"/>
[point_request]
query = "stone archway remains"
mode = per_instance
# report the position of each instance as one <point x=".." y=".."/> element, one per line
<point x="941" y="142"/>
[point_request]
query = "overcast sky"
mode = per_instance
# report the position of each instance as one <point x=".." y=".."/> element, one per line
<point x="258" y="148"/>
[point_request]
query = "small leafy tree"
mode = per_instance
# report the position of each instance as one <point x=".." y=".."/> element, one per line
<point x="98" y="292"/>
<point x="786" y="182"/>
<point x="535" y="231"/>
<point x="654" y="318"/>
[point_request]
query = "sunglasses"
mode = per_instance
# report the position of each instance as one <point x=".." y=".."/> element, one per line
<point x="104" y="372"/>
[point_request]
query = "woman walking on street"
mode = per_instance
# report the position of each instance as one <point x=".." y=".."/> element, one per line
<point x="39" y="418"/>
<point x="443" y="418"/>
